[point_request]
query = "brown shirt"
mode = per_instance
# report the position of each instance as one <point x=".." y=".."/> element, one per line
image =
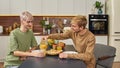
<point x="84" y="45"/>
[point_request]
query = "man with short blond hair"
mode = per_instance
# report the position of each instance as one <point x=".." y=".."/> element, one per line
<point x="83" y="39"/>
<point x="21" y="40"/>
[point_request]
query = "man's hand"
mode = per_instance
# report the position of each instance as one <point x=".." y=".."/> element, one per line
<point x="38" y="54"/>
<point x="63" y="55"/>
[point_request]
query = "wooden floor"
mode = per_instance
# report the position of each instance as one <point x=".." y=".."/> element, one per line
<point x="115" y="65"/>
<point x="1" y="65"/>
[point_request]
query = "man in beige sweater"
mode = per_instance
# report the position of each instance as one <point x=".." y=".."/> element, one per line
<point x="83" y="39"/>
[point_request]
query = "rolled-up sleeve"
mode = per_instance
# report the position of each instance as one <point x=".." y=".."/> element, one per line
<point x="60" y="36"/>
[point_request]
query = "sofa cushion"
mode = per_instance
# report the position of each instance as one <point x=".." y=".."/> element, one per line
<point x="104" y="55"/>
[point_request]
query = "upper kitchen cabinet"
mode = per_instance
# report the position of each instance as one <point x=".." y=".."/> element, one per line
<point x="49" y="7"/>
<point x="34" y="6"/>
<point x="17" y="6"/>
<point x="115" y="25"/>
<point x="4" y="7"/>
<point x="80" y="7"/>
<point x="65" y="7"/>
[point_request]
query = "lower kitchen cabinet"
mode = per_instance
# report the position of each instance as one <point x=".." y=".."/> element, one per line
<point x="115" y="42"/>
<point x="102" y="40"/>
<point x="3" y="47"/>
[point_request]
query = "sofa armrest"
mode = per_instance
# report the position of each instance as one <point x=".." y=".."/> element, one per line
<point x="105" y="57"/>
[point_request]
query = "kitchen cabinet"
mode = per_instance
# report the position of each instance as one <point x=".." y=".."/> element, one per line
<point x="49" y="7"/>
<point x="102" y="39"/>
<point x="4" y="7"/>
<point x="90" y="6"/>
<point x="114" y="40"/>
<point x="34" y="6"/>
<point x="17" y="6"/>
<point x="115" y="25"/>
<point x="38" y="39"/>
<point x="80" y="7"/>
<point x="116" y="43"/>
<point x="65" y="7"/>
<point x="4" y="47"/>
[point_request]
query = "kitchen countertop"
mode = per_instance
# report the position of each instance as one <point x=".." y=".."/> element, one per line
<point x="36" y="34"/>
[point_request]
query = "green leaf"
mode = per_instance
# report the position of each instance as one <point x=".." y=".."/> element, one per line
<point x="98" y="5"/>
<point x="42" y="23"/>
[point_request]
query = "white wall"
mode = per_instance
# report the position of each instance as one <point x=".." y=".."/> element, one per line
<point x="48" y="7"/>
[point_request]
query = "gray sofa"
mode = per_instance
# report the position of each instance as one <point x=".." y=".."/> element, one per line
<point x="104" y="55"/>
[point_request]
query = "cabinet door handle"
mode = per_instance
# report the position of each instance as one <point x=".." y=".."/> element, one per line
<point x="117" y="32"/>
<point x="117" y="39"/>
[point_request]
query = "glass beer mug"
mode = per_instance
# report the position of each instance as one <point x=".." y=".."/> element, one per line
<point x="43" y="44"/>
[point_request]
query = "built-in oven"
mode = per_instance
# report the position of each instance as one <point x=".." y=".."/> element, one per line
<point x="98" y="24"/>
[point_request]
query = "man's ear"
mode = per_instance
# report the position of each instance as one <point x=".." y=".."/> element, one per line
<point x="81" y="28"/>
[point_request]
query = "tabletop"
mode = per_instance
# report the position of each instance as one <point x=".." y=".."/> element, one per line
<point x="52" y="62"/>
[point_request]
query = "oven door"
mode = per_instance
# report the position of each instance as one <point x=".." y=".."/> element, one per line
<point x="98" y="26"/>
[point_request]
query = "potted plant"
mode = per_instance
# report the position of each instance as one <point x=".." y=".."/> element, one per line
<point x="99" y="6"/>
<point x="42" y="23"/>
<point x="46" y="27"/>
